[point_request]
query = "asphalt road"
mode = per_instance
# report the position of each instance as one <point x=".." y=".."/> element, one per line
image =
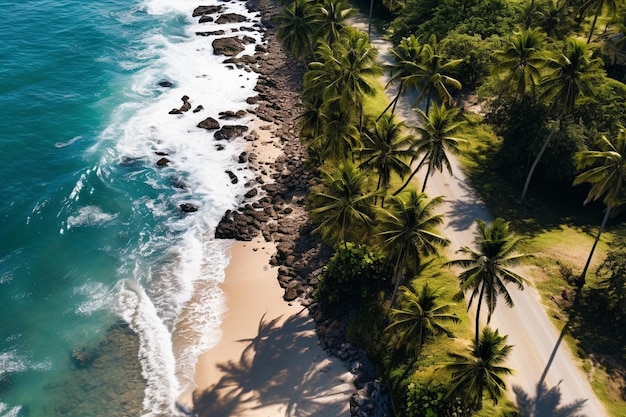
<point x="547" y="381"/>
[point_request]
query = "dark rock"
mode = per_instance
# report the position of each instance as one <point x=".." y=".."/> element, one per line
<point x="206" y="19"/>
<point x="230" y="18"/>
<point x="243" y="157"/>
<point x="81" y="357"/>
<point x="211" y="33"/>
<point x="188" y="207"/>
<point x="233" y="177"/>
<point x="198" y="108"/>
<point x="228" y="132"/>
<point x="166" y="84"/>
<point x="202" y="10"/>
<point x="186" y="106"/>
<point x="229" y="46"/>
<point x="161" y="153"/>
<point x="209" y="123"/>
<point x="163" y="162"/>
<point x="252" y="193"/>
<point x="229" y="114"/>
<point x="175" y="111"/>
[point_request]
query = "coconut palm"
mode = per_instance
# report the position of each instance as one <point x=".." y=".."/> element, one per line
<point x="436" y="141"/>
<point x="408" y="229"/>
<point x="434" y="75"/>
<point x="487" y="270"/>
<point x="332" y="17"/>
<point x="605" y="170"/>
<point x="562" y="87"/>
<point x="386" y="151"/>
<point x="405" y="68"/>
<point x="419" y="318"/>
<point x="297" y="28"/>
<point x="611" y="7"/>
<point x="344" y="208"/>
<point x="522" y="60"/>
<point x="480" y="371"/>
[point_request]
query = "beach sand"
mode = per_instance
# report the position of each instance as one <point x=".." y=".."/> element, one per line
<point x="268" y="362"/>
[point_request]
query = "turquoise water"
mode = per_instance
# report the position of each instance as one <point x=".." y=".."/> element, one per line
<point x="91" y="231"/>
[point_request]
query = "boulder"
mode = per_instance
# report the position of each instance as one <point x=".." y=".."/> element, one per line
<point x="186" y="106"/>
<point x="166" y="84"/>
<point x="230" y="18"/>
<point x="211" y="33"/>
<point x="202" y="10"/>
<point x="233" y="177"/>
<point x="175" y="111"/>
<point x="228" y="132"/>
<point x="252" y="193"/>
<point x="188" y="207"/>
<point x="163" y="162"/>
<point x="199" y="108"/>
<point x="229" y="46"/>
<point x="206" y="19"/>
<point x="229" y="114"/>
<point x="209" y="123"/>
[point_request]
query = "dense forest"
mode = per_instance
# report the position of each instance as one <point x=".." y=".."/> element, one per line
<point x="548" y="79"/>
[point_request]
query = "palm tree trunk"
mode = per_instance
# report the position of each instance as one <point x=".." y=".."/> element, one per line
<point x="393" y="102"/>
<point x="369" y="20"/>
<point x="595" y="19"/>
<point x="426" y="178"/>
<point x="534" y="165"/>
<point x="398" y="279"/>
<point x="480" y="302"/>
<point x="581" y="280"/>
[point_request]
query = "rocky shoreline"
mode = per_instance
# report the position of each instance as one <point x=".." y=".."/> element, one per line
<point x="278" y="210"/>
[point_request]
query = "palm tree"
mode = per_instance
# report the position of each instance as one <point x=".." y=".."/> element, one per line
<point x="344" y="207"/>
<point x="562" y="87"/>
<point x="407" y="57"/>
<point x="420" y="317"/>
<point x="434" y="75"/>
<point x="611" y="6"/>
<point x="606" y="172"/>
<point x="436" y="142"/>
<point x="522" y="60"/>
<point x="332" y="17"/>
<point x="297" y="28"/>
<point x="408" y="229"/>
<point x="481" y="370"/>
<point x="486" y="271"/>
<point x="386" y="151"/>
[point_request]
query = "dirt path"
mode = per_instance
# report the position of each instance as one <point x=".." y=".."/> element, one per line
<point x="547" y="381"/>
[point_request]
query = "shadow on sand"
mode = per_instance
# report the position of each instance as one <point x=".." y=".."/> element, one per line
<point x="275" y="369"/>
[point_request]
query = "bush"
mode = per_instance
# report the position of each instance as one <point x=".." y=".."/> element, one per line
<point x="353" y="278"/>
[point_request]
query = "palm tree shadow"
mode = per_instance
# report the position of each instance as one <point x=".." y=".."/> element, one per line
<point x="274" y="369"/>
<point x="546" y="403"/>
<point x="465" y="210"/>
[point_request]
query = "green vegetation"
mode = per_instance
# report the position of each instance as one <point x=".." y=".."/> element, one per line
<point x="548" y="75"/>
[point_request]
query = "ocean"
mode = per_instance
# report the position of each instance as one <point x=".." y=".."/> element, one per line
<point x="108" y="291"/>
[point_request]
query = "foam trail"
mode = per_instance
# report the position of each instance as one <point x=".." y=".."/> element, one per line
<point x="156" y="357"/>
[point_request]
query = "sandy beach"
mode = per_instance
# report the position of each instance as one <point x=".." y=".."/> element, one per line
<point x="269" y="362"/>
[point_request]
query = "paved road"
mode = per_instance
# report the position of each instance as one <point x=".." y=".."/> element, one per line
<point x="547" y="381"/>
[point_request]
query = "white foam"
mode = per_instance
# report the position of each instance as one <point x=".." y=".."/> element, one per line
<point x="97" y="297"/>
<point x="11" y="362"/>
<point x="171" y="298"/>
<point x="6" y="411"/>
<point x="89" y="216"/>
<point x="69" y="142"/>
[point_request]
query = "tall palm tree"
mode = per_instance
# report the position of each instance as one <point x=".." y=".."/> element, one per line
<point x="487" y="270"/>
<point x="344" y="208"/>
<point x="434" y="75"/>
<point x="297" y="28"/>
<point x="522" y="60"/>
<point x="386" y="151"/>
<point x="405" y="68"/>
<point x="408" y="229"/>
<point x="436" y="141"/>
<point x="420" y="317"/>
<point x="562" y="87"/>
<point x="605" y="170"/>
<point x="611" y="6"/>
<point x="332" y="19"/>
<point x="480" y="371"/>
